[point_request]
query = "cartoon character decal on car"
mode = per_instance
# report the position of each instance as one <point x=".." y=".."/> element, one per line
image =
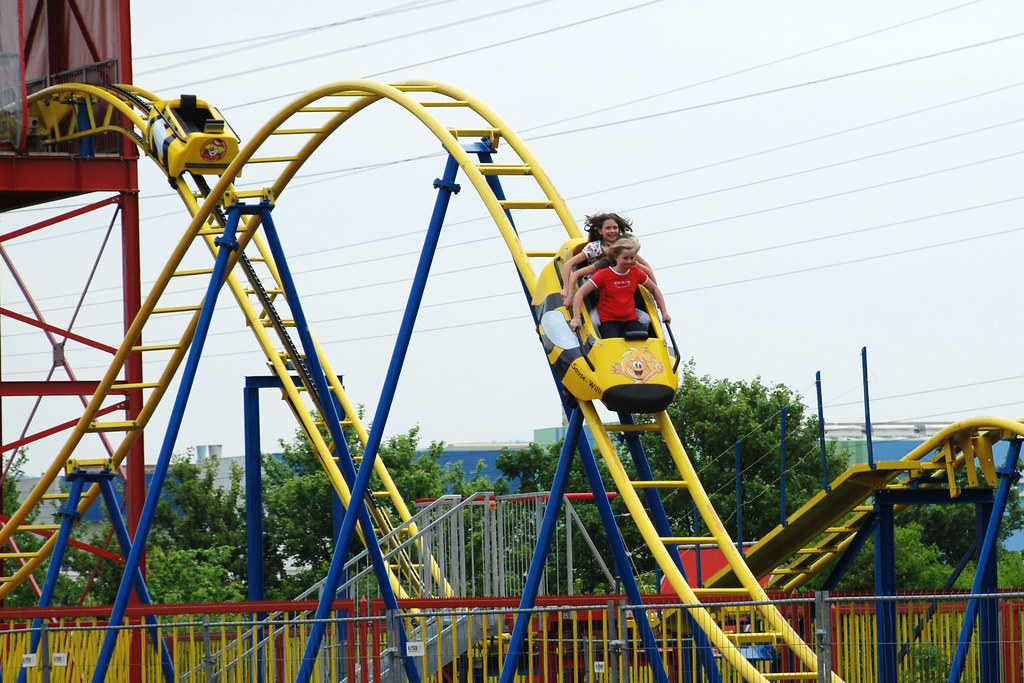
<point x="640" y="365"/>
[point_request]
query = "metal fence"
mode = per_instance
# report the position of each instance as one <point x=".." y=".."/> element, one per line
<point x="570" y="639"/>
<point x="474" y="546"/>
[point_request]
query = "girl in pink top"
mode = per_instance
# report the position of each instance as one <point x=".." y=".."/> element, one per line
<point x="602" y="229"/>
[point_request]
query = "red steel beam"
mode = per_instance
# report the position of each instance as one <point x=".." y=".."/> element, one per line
<point x="55" y="429"/>
<point x="29" y="180"/>
<point x="57" y="331"/>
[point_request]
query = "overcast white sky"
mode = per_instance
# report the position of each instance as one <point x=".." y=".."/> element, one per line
<point x="806" y="178"/>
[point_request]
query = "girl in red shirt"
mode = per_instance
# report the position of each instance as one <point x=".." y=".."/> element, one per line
<point x="616" y="286"/>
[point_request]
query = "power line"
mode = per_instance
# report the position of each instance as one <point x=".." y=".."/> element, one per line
<point x="458" y="54"/>
<point x="750" y="69"/>
<point x="942" y="214"/>
<point x="254" y="42"/>
<point x="784" y="88"/>
<point x="927" y="391"/>
<point x="798" y="143"/>
<point x="849" y="262"/>
<point x="821" y="238"/>
<point x="935" y="416"/>
<point x="682" y="291"/>
<point x="819" y="198"/>
<point x="299" y="60"/>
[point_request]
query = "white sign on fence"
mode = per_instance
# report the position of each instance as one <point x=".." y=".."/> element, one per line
<point x="60" y="658"/>
<point x="414" y="648"/>
<point x="28" y="661"/>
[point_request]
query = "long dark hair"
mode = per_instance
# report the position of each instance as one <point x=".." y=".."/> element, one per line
<point x="593" y="224"/>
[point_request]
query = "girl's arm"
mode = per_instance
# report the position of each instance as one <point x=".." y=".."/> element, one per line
<point x="568" y="266"/>
<point x="646" y="267"/>
<point x="577" y="303"/>
<point x="570" y="282"/>
<point x="659" y="299"/>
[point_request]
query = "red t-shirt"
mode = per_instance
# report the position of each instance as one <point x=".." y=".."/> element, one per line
<point x="616" y="292"/>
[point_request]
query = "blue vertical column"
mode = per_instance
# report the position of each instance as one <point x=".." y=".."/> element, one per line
<point x="254" y="495"/>
<point x="254" y="517"/>
<point x="87" y="144"/>
<point x="226" y="246"/>
<point x="885" y="586"/>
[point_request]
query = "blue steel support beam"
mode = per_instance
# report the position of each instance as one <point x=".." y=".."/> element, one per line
<point x="1008" y="478"/>
<point x="227" y="245"/>
<point x="483" y="150"/>
<point x="885" y="586"/>
<point x="446" y="187"/>
<point x="253" y="494"/>
<point x="660" y="519"/>
<point x="622" y="564"/>
<point x="254" y="515"/>
<point x="68" y="516"/>
<point x="105" y="481"/>
<point x="543" y="547"/>
<point x="867" y="528"/>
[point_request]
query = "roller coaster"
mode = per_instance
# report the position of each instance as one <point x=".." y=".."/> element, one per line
<point x="200" y="154"/>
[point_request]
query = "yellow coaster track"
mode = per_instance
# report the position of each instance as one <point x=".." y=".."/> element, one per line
<point x="822" y="529"/>
<point x="301" y="128"/>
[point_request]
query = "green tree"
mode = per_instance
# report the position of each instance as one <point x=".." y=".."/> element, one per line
<point x="24" y="595"/>
<point x="918" y="564"/>
<point x="532" y="467"/>
<point x="300" y="546"/>
<point x="196" y="550"/>
<point x="195" y="513"/>
<point x="193" y="575"/>
<point x="936" y="521"/>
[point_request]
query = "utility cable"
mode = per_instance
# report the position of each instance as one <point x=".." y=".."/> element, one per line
<point x="255" y="42"/>
<point x="750" y="69"/>
<point x="784" y="88"/>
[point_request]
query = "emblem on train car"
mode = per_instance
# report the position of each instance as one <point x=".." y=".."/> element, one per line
<point x="639" y="365"/>
<point x="213" y="150"/>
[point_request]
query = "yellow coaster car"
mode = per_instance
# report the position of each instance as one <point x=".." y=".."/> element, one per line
<point x="636" y="374"/>
<point x="188" y="134"/>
